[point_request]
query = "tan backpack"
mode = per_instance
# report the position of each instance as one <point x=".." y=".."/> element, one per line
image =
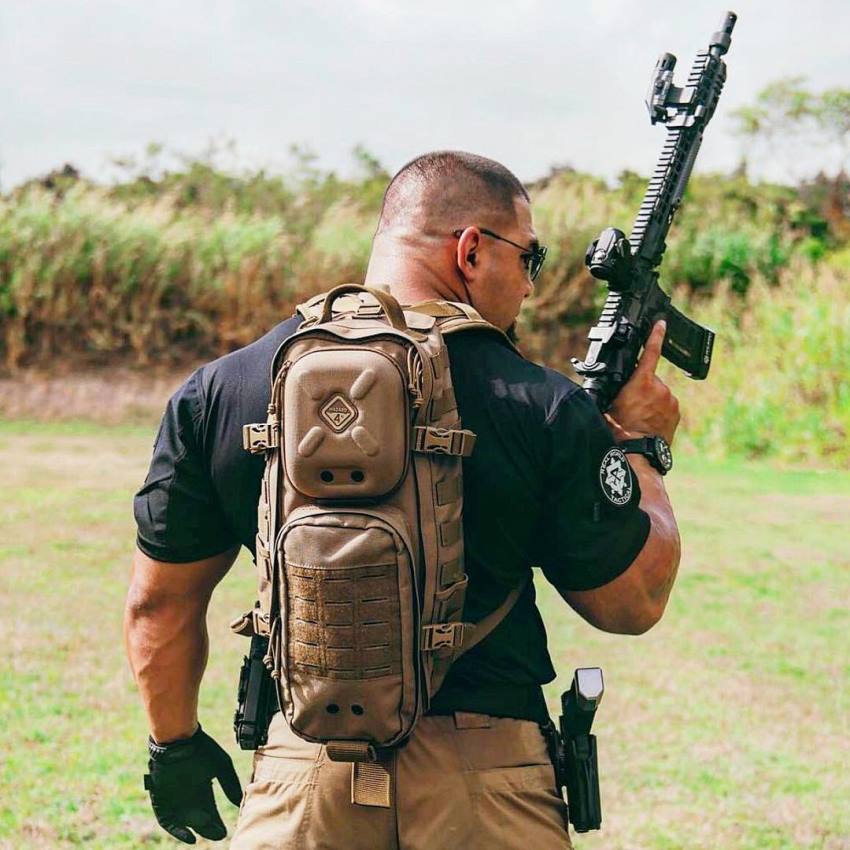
<point x="360" y="543"/>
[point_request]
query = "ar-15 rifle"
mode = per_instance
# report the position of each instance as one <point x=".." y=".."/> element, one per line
<point x="635" y="300"/>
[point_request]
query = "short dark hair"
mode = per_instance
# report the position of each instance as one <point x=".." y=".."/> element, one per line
<point x="449" y="182"/>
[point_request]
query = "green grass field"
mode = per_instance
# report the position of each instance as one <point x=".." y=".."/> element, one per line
<point x="725" y="727"/>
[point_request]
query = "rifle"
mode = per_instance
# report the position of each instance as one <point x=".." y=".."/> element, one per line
<point x="630" y="266"/>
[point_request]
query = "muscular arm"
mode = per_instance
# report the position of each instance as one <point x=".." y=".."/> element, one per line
<point x="634" y="601"/>
<point x="165" y="634"/>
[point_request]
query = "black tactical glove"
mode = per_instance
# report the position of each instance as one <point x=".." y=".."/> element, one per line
<point x="180" y="785"/>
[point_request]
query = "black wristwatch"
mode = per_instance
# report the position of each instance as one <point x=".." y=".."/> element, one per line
<point x="655" y="449"/>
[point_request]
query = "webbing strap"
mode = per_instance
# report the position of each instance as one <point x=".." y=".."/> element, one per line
<point x="463" y="636"/>
<point x="450" y="532"/>
<point x="351" y="751"/>
<point x="440" y="360"/>
<point x="448" y="490"/>
<point x="312" y="308"/>
<point x="371" y="785"/>
<point x="438" y="309"/>
<point x="451" y="572"/>
<point x="459" y="317"/>
<point x="474" y="633"/>
<point x="443" y="404"/>
<point x="272" y="476"/>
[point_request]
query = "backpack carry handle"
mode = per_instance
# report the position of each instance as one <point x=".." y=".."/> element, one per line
<point x="391" y="307"/>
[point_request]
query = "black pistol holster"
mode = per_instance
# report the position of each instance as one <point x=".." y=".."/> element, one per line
<point x="573" y="749"/>
<point x="257" y="700"/>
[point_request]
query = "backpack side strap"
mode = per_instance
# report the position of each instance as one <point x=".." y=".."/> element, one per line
<point x="463" y="636"/>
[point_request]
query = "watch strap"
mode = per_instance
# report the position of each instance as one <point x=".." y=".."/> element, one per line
<point x="639" y="445"/>
<point x="648" y="447"/>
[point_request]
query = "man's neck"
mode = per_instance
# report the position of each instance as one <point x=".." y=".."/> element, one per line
<point x="411" y="277"/>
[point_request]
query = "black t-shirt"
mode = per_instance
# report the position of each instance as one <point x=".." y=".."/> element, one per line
<point x="545" y="487"/>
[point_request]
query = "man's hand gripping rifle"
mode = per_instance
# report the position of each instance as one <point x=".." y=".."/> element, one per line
<point x="635" y="300"/>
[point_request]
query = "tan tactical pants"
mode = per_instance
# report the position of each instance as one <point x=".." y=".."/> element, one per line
<point x="468" y="782"/>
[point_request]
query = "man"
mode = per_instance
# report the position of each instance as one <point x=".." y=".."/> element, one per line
<point x="539" y="490"/>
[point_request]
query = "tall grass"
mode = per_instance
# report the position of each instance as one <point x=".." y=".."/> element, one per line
<point x="197" y="263"/>
<point x="780" y="379"/>
<point x="205" y="261"/>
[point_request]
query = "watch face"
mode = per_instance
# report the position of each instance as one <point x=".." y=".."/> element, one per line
<point x="663" y="453"/>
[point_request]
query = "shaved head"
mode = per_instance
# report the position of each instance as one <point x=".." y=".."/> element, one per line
<point x="440" y="191"/>
<point x="454" y="227"/>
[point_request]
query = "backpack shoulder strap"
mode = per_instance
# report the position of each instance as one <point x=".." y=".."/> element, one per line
<point x="454" y="317"/>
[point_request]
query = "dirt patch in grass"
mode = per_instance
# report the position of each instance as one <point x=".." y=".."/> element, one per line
<point x="107" y="396"/>
<point x="822" y="507"/>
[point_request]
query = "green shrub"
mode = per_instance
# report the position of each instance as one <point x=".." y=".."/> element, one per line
<point x="780" y="378"/>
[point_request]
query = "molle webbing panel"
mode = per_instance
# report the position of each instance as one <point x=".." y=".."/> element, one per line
<point x="347" y="646"/>
<point x="344" y="626"/>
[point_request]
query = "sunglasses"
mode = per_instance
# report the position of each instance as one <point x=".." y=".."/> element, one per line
<point x="532" y="257"/>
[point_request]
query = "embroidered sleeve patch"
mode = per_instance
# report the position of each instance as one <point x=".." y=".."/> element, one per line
<point x="615" y="477"/>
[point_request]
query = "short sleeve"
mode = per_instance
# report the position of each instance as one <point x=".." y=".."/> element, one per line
<point x="178" y="517"/>
<point x="593" y="526"/>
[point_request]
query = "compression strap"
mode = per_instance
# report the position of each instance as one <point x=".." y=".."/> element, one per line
<point x="463" y="636"/>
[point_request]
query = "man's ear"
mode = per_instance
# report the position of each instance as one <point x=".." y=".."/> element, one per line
<point x="467" y="251"/>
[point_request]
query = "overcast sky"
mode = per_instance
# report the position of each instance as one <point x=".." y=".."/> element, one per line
<point x="531" y="82"/>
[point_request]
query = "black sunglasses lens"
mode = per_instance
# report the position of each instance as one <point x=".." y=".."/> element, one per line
<point x="532" y="263"/>
<point x="537" y="259"/>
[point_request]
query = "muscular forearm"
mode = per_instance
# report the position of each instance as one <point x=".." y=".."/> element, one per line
<point x="166" y="635"/>
<point x="659" y="571"/>
<point x="167" y="646"/>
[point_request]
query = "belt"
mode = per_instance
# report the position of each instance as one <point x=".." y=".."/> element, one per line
<point x="522" y="702"/>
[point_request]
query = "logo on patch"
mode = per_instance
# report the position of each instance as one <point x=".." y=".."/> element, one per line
<point x="338" y="412"/>
<point x="615" y="476"/>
